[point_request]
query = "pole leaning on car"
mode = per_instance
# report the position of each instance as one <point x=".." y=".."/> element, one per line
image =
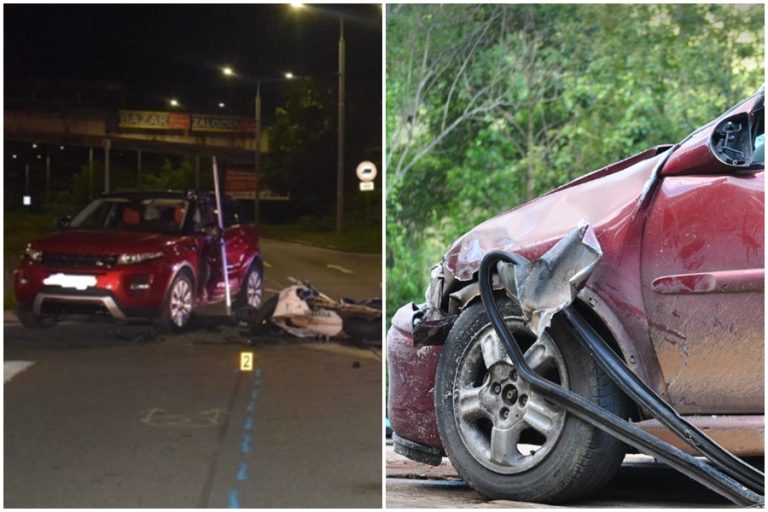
<point x="222" y="242"/>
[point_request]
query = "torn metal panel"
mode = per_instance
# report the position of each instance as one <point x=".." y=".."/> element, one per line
<point x="547" y="285"/>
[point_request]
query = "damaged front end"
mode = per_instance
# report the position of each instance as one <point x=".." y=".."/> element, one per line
<point x="548" y="286"/>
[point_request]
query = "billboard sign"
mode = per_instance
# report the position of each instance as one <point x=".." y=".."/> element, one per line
<point x="240" y="184"/>
<point x="153" y="120"/>
<point x="216" y="123"/>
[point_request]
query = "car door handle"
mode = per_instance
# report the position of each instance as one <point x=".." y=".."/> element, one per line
<point x="721" y="281"/>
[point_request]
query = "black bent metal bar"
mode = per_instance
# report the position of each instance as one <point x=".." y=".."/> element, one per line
<point x="662" y="411"/>
<point x="619" y="428"/>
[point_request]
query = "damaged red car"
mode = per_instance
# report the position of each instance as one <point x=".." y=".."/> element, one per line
<point x="678" y="294"/>
<point x="140" y="256"/>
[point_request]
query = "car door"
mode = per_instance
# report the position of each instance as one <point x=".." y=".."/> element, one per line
<point x="702" y="276"/>
<point x="236" y="244"/>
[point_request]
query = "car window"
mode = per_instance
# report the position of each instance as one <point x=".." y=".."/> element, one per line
<point x="157" y="215"/>
<point x="231" y="213"/>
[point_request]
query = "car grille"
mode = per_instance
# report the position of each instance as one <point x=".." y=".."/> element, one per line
<point x="54" y="259"/>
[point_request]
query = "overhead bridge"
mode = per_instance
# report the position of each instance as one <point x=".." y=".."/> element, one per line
<point x="229" y="137"/>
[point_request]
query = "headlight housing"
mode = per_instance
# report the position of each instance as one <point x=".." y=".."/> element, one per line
<point x="131" y="259"/>
<point x="33" y="254"/>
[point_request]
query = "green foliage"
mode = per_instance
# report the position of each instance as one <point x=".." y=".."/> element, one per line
<point x="302" y="156"/>
<point x="489" y="106"/>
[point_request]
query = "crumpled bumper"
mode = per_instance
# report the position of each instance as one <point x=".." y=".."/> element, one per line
<point x="412" y="372"/>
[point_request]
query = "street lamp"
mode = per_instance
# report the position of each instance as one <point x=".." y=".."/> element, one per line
<point x="228" y="71"/>
<point x="340" y="136"/>
<point x="173" y="102"/>
<point x="257" y="121"/>
<point x="221" y="104"/>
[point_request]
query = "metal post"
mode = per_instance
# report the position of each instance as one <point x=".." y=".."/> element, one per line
<point x="222" y="241"/>
<point x="107" y="146"/>
<point x="47" y="182"/>
<point x="340" y="166"/>
<point x="26" y="179"/>
<point x="197" y="172"/>
<point x="257" y="153"/>
<point x="138" y="168"/>
<point x="90" y="173"/>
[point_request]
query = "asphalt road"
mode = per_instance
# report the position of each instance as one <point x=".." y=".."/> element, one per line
<point x="640" y="483"/>
<point x="112" y="416"/>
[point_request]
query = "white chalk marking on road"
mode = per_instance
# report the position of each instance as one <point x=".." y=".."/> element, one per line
<point x="340" y="269"/>
<point x="266" y="264"/>
<point x="13" y="368"/>
<point x="159" y="418"/>
<point x="272" y="290"/>
<point x="335" y="348"/>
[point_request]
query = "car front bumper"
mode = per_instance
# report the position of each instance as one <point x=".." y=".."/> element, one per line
<point x="412" y="369"/>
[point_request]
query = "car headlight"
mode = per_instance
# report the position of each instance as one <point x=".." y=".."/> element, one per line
<point x="130" y="259"/>
<point x="33" y="254"/>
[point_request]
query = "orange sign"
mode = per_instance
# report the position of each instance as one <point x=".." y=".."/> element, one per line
<point x="240" y="184"/>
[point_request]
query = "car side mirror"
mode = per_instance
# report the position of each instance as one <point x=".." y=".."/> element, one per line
<point x="63" y="222"/>
<point x="731" y="141"/>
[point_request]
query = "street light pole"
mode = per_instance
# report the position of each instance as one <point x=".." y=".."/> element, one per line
<point x="257" y="154"/>
<point x="340" y="156"/>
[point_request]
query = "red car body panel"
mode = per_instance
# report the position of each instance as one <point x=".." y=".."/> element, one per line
<point x="182" y="251"/>
<point x="679" y="287"/>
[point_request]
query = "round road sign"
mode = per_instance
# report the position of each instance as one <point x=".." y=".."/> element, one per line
<point x="366" y="171"/>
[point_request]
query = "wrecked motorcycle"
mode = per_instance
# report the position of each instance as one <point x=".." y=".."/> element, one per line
<point x="305" y="312"/>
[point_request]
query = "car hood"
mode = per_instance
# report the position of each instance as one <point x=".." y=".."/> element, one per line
<point x="602" y="199"/>
<point x="102" y="242"/>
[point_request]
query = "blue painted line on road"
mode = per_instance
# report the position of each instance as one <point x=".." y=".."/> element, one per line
<point x="234" y="499"/>
<point x="245" y="445"/>
<point x="242" y="472"/>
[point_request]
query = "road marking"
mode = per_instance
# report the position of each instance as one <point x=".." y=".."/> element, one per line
<point x="157" y="417"/>
<point x="242" y="472"/>
<point x="13" y="368"/>
<point x="234" y="501"/>
<point x="340" y="269"/>
<point x="272" y="290"/>
<point x="267" y="265"/>
<point x="245" y="444"/>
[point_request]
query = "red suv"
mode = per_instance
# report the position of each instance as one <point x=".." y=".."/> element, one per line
<point x="140" y="255"/>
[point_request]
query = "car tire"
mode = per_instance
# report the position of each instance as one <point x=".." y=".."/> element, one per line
<point x="567" y="459"/>
<point x="32" y="321"/>
<point x="251" y="294"/>
<point x="176" y="314"/>
<point x="260" y="322"/>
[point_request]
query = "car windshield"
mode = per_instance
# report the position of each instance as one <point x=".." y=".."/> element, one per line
<point x="157" y="215"/>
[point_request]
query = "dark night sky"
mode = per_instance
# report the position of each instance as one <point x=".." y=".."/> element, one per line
<point x="162" y="51"/>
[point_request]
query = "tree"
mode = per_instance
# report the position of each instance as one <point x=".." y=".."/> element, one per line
<point x="491" y="105"/>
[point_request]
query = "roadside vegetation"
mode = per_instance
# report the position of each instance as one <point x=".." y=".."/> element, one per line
<point x="489" y="106"/>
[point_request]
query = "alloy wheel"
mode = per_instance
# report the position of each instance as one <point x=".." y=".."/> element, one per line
<point x="181" y="302"/>
<point x="507" y="426"/>
<point x="254" y="289"/>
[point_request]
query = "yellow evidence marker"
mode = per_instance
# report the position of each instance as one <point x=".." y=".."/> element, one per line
<point x="246" y="361"/>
